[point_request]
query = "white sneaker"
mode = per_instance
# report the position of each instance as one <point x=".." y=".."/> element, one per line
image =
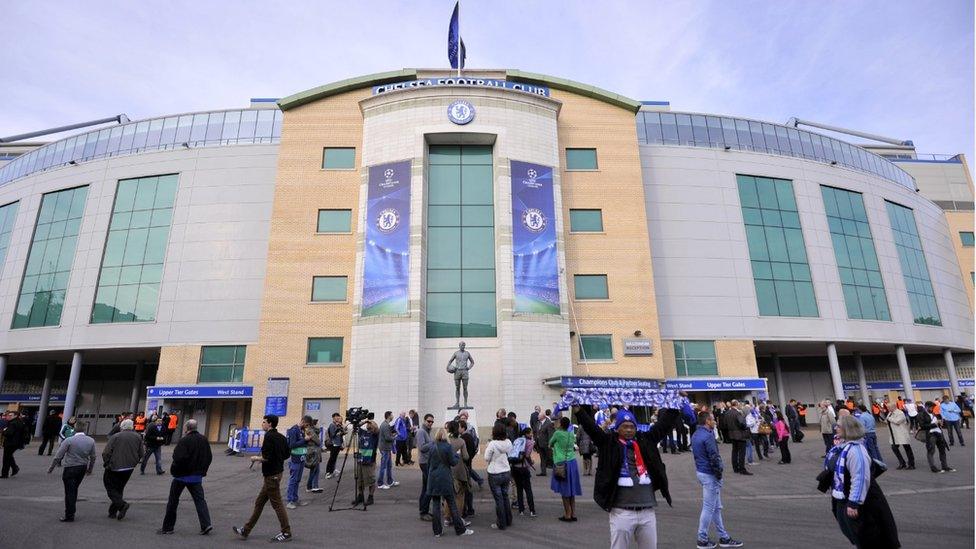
<point x="395" y="483"/>
<point x="292" y="505"/>
<point x="468" y="532"/>
<point x="328" y="475"/>
<point x="383" y="487"/>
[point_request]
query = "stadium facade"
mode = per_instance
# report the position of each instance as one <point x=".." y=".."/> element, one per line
<point x="332" y="248"/>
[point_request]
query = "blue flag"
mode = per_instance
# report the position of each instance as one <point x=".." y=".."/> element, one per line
<point x="455" y="46"/>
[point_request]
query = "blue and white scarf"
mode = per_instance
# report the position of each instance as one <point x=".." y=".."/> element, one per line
<point x="605" y="398"/>
<point x="841" y="467"/>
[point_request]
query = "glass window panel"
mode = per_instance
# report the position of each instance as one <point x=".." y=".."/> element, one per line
<point x="265" y="124"/>
<point x="586" y="221"/>
<point x="473" y="280"/>
<point x="198" y="131"/>
<point x="146" y="303"/>
<point x="669" y="127"/>
<point x="155" y="130"/>
<point x="444" y="280"/>
<point x="334" y="221"/>
<point x="249" y="120"/>
<point x="476" y="155"/>
<point x="766" y="298"/>
<point x="967" y="238"/>
<point x="444" y="155"/>
<point x="443" y="216"/>
<point x="168" y="134"/>
<point x="476" y="185"/>
<point x="324" y="350"/>
<point x="329" y="288"/>
<point x="444" y="185"/>
<point x="915" y="270"/>
<point x="232" y="124"/>
<point x="581" y="159"/>
<point x="596" y="347"/>
<point x="443" y="248"/>
<point x="443" y="315"/>
<point x="478" y="247"/>
<point x="590" y="287"/>
<point x="478" y="315"/>
<point x="142" y="132"/>
<point x="339" y="158"/>
<point x="698" y="130"/>
<point x="652" y="126"/>
<point x="478" y="216"/>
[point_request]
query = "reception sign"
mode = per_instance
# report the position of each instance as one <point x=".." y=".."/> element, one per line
<point x="386" y="266"/>
<point x="534" y="239"/>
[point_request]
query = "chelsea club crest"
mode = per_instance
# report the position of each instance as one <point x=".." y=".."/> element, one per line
<point x="534" y="220"/>
<point x="460" y="112"/>
<point x="388" y="220"/>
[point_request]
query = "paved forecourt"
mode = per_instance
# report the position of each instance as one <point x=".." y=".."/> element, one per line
<point x="778" y="507"/>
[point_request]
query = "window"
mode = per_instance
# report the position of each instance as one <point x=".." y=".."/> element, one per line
<point x="581" y="159"/>
<point x="49" y="260"/>
<point x="329" y="288"/>
<point x="334" y="221"/>
<point x="132" y="264"/>
<point x="586" y="221"/>
<point x="695" y="358"/>
<point x="338" y="158"/>
<point x="324" y="350"/>
<point x="596" y="347"/>
<point x="460" y="242"/>
<point x="780" y="270"/>
<point x="857" y="261"/>
<point x="914" y="268"/>
<point x="222" y="363"/>
<point x="967" y="239"/>
<point x="591" y="287"/>
<point x="7" y="215"/>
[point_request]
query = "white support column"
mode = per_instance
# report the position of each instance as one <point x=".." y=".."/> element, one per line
<point x="73" y="377"/>
<point x="136" y="385"/>
<point x="834" y="365"/>
<point x="862" y="380"/>
<point x="951" y="366"/>
<point x="778" y="375"/>
<point x="45" y="397"/>
<point x="906" y="378"/>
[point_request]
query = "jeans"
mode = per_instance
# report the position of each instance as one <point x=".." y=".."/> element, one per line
<point x="333" y="456"/>
<point x="295" y="467"/>
<point x="386" y="468"/>
<point x="424" y="497"/>
<point x="455" y="515"/>
<point x="711" y="512"/>
<point x="270" y="491"/>
<point x="498" y="482"/>
<point x="115" y="482"/>
<point x="738" y="455"/>
<point x="523" y="485"/>
<point x="871" y="442"/>
<point x="313" y="477"/>
<point x="950" y="425"/>
<point x="632" y="527"/>
<point x="196" y="492"/>
<point x="749" y="452"/>
<point x="155" y="452"/>
<point x="476" y="477"/>
<point x="72" y="477"/>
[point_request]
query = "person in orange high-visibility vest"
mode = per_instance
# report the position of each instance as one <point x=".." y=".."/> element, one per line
<point x="140" y="422"/>
<point x="937" y="409"/>
<point x="174" y="420"/>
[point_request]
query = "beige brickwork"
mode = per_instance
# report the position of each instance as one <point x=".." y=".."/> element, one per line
<point x="622" y="251"/>
<point x="178" y="364"/>
<point x="736" y="358"/>
<point x="960" y="221"/>
<point x="296" y="254"/>
<point x="667" y="354"/>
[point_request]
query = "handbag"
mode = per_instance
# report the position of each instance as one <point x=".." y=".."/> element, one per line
<point x="765" y="429"/>
<point x="921" y="436"/>
<point x="559" y="471"/>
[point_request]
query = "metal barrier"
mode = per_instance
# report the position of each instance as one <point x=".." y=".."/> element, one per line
<point x="249" y="440"/>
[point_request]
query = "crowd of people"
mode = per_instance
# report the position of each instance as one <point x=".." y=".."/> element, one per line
<point x="629" y="475"/>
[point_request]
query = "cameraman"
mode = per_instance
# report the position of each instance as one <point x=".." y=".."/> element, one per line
<point x="334" y="442"/>
<point x="369" y="437"/>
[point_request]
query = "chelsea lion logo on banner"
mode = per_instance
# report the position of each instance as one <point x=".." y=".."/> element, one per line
<point x="460" y="112"/>
<point x="534" y="220"/>
<point x="388" y="220"/>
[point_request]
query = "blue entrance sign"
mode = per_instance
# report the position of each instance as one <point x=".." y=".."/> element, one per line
<point x="23" y="397"/>
<point x="897" y="385"/>
<point x="716" y="384"/>
<point x="452" y="81"/>
<point x="574" y="382"/>
<point x="276" y="401"/>
<point x="199" y="391"/>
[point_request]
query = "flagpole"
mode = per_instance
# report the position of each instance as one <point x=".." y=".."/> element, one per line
<point x="460" y="59"/>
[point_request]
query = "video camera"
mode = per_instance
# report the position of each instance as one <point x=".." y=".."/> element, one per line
<point x="358" y="414"/>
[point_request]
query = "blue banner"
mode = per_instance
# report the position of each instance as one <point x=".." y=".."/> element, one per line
<point x="277" y="405"/>
<point x="386" y="267"/>
<point x="534" y="239"/>
<point x="575" y="382"/>
<point x="716" y="384"/>
<point x="199" y="391"/>
<point x="25" y="397"/>
<point x="898" y="386"/>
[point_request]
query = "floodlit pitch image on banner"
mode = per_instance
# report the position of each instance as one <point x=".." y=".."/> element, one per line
<point x="534" y="239"/>
<point x="386" y="266"/>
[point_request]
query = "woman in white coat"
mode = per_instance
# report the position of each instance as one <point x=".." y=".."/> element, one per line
<point x="901" y="436"/>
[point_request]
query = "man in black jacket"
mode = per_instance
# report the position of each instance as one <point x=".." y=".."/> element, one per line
<point x="49" y="432"/>
<point x="14" y="438"/>
<point x="626" y="491"/>
<point x="735" y="425"/>
<point x="154" y="439"/>
<point x="545" y="432"/>
<point x="274" y="452"/>
<point x="191" y="460"/>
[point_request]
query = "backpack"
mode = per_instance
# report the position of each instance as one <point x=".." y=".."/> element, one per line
<point x="517" y="454"/>
<point x="313" y="457"/>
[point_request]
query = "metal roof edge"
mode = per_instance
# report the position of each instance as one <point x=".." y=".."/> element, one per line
<point x="342" y="86"/>
<point x="576" y="87"/>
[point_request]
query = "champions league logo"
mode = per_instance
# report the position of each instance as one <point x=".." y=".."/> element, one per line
<point x="388" y="220"/>
<point x="532" y="175"/>
<point x="533" y="220"/>
<point x="460" y="112"/>
<point x="388" y="174"/>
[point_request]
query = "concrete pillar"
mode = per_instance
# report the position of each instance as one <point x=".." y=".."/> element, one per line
<point x="835" y="371"/>
<point x="862" y="380"/>
<point x="906" y="378"/>
<point x="136" y="385"/>
<point x="73" y="377"/>
<point x="3" y="370"/>
<point x="45" y="397"/>
<point x="951" y="366"/>
<point x="778" y="375"/>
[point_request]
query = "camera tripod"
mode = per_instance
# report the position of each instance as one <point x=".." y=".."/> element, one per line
<point x="357" y="472"/>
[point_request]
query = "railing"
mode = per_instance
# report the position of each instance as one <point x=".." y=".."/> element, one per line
<point x="700" y="130"/>
<point x="205" y="129"/>
<point x="951" y="158"/>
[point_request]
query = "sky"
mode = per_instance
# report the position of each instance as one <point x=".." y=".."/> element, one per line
<point x="902" y="69"/>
